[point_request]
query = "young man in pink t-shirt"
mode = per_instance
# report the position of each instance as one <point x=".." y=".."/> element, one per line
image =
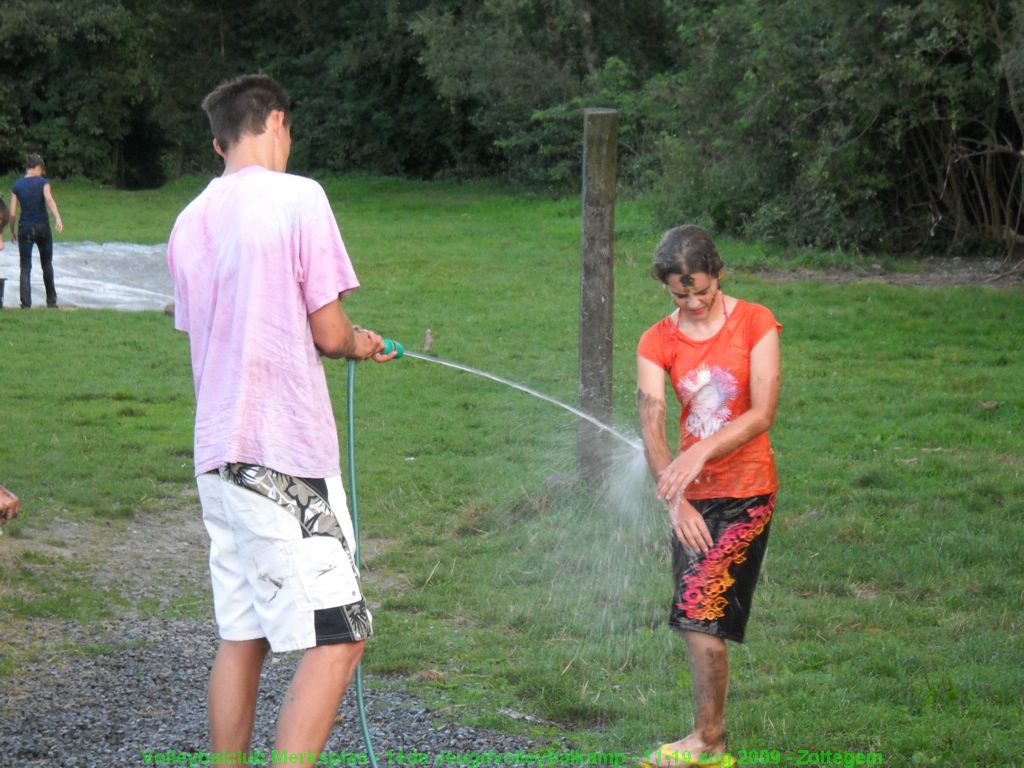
<point x="259" y="270"/>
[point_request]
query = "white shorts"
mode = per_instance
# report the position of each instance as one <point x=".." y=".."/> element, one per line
<point x="280" y="558"/>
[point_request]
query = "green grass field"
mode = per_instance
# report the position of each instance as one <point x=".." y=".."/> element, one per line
<point x="888" y="618"/>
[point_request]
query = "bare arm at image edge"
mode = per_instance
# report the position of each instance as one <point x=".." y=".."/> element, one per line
<point x="10" y="505"/>
<point x="14" y="214"/>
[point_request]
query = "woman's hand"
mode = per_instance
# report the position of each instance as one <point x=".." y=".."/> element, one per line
<point x="683" y="470"/>
<point x="689" y="525"/>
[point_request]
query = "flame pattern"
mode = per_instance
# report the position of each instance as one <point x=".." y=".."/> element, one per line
<point x="702" y="594"/>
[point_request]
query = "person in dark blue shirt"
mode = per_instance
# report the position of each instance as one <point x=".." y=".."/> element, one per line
<point x="32" y="193"/>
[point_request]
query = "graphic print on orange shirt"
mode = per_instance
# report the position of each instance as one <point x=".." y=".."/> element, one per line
<point x="707" y="391"/>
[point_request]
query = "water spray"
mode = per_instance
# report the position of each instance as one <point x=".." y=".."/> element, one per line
<point x="631" y="442"/>
<point x="393" y="346"/>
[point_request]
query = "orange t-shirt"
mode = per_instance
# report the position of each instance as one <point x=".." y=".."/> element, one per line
<point x="711" y="378"/>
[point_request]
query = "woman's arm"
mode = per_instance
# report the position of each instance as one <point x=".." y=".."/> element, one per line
<point x="14" y="213"/>
<point x="765" y="376"/>
<point x="650" y="406"/>
<point x="52" y="206"/>
<point x="686" y="521"/>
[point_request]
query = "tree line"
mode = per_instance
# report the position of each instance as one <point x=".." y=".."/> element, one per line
<point x="865" y="124"/>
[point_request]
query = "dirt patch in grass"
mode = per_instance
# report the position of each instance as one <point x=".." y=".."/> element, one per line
<point x="934" y="273"/>
<point x="154" y="565"/>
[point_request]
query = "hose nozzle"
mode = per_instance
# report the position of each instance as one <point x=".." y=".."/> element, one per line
<point x="390" y="345"/>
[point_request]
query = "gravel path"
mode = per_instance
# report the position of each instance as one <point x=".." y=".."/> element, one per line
<point x="146" y="692"/>
<point x="104" y="693"/>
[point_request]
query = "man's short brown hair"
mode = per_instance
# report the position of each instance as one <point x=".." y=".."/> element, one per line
<point x="241" y="106"/>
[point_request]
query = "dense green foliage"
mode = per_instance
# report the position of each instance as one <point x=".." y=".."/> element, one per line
<point x="872" y="124"/>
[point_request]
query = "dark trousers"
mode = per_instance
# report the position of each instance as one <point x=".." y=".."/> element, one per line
<point x="39" y="235"/>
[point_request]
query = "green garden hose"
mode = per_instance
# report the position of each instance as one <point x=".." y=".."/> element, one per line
<point x="389" y="346"/>
<point x="354" y="509"/>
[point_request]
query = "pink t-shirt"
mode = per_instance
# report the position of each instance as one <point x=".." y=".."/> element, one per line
<point x="251" y="257"/>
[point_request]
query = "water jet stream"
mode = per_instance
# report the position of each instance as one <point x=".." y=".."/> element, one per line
<point x="631" y="442"/>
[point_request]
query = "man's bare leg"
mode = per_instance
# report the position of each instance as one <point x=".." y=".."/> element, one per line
<point x="234" y="687"/>
<point x="709" y="668"/>
<point x="311" y="703"/>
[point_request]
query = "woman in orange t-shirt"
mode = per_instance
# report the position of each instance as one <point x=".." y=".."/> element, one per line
<point x="722" y="357"/>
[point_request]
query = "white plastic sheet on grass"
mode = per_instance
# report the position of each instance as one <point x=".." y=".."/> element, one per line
<point x="121" y="276"/>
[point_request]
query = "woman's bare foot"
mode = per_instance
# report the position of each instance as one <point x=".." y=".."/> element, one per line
<point x="693" y="750"/>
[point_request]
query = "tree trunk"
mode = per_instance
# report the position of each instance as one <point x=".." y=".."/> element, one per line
<point x="179" y="162"/>
<point x="118" y="159"/>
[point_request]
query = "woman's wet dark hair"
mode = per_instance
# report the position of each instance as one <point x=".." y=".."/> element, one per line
<point x="34" y="160"/>
<point x="684" y="251"/>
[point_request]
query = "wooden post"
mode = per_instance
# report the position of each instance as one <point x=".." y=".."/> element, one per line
<point x="600" y="161"/>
